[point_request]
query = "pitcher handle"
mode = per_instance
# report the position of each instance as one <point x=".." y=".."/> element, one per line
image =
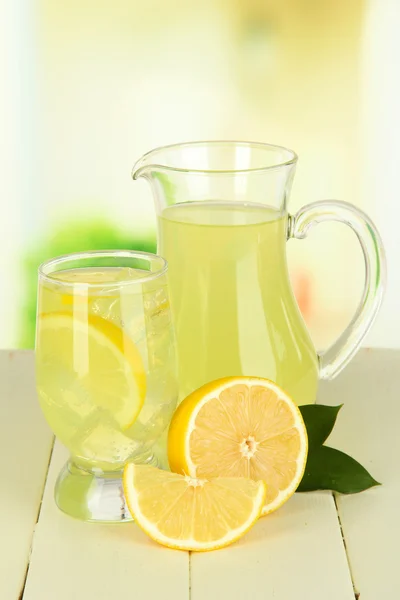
<point x="336" y="357"/>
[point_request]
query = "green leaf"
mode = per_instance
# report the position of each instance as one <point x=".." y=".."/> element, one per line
<point x="319" y="421"/>
<point x="330" y="469"/>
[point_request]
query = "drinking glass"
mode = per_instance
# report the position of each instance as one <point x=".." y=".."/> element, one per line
<point x="106" y="371"/>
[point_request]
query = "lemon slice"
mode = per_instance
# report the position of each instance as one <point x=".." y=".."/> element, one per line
<point x="101" y="357"/>
<point x="241" y="427"/>
<point x="191" y="514"/>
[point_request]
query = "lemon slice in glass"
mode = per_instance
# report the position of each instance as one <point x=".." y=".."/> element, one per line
<point x="101" y="357"/>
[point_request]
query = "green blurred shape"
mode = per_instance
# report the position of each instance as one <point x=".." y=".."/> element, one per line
<point x="168" y="187"/>
<point x="74" y="236"/>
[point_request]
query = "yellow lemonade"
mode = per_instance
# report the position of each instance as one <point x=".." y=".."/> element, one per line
<point x="233" y="308"/>
<point x="104" y="363"/>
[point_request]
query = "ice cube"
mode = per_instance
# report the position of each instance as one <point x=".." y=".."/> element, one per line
<point x="125" y="311"/>
<point x="107" y="308"/>
<point x="63" y="386"/>
<point x="151" y="423"/>
<point x="101" y="441"/>
<point x="157" y="311"/>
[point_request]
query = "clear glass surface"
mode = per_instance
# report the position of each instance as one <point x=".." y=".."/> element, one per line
<point x="105" y="369"/>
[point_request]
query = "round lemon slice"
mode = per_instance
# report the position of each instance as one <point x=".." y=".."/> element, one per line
<point x="241" y="427"/>
<point x="191" y="514"/>
<point x="101" y="356"/>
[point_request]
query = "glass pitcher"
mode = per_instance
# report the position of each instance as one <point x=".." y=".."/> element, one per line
<point x="223" y="224"/>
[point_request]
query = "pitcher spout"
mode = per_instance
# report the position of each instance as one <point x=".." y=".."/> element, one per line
<point x="155" y="169"/>
<point x="143" y="167"/>
<point x="138" y="170"/>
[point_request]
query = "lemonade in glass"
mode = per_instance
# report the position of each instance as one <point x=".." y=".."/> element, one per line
<point x="105" y="370"/>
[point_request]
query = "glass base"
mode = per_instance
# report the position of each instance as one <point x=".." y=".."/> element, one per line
<point x="94" y="497"/>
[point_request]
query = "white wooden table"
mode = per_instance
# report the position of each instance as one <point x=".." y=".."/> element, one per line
<point x="316" y="547"/>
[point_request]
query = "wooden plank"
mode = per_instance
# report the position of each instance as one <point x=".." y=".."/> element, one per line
<point x="80" y="561"/>
<point x="296" y="552"/>
<point x="368" y="429"/>
<point x="25" y="446"/>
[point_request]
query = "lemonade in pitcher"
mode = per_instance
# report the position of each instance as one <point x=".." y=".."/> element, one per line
<point x="223" y="224"/>
<point x="234" y="310"/>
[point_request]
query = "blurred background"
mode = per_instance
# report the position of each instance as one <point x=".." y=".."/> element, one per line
<point x="88" y="86"/>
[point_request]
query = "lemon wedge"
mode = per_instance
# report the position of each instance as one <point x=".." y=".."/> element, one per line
<point x="191" y="514"/>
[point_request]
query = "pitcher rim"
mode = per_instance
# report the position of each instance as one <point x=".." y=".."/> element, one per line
<point x="139" y="167"/>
